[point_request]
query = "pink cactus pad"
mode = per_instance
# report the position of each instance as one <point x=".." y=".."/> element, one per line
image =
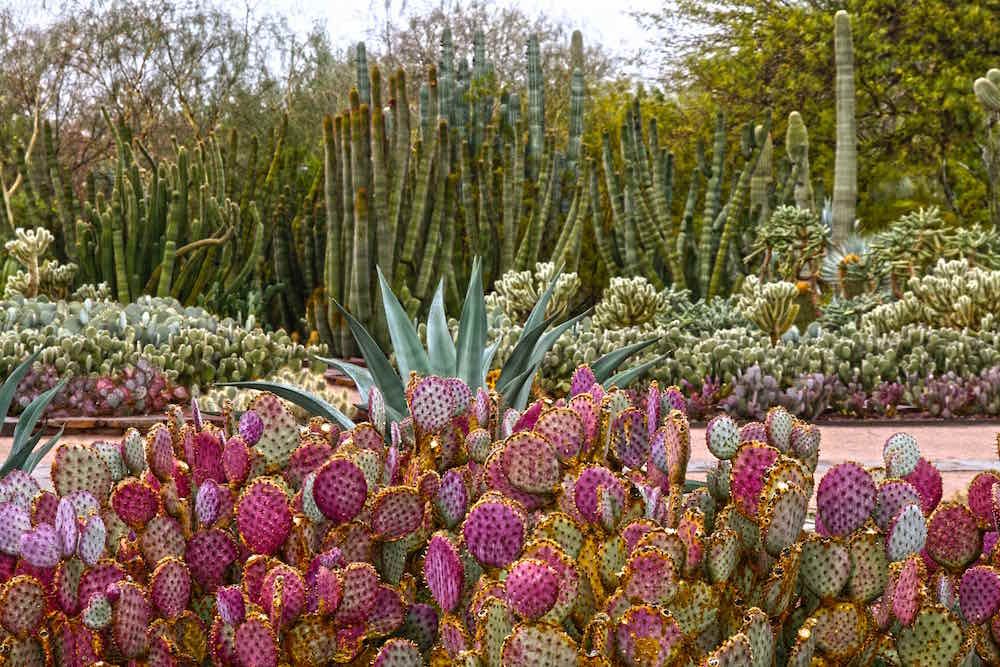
<point x="670" y="448"/>
<point x="209" y="554"/>
<point x="494" y="530"/>
<point x="231" y="604"/>
<point x="255" y="643"/>
<point x="564" y="428"/>
<point x="452" y="500"/>
<point x="66" y="527"/>
<point x="263" y="517"/>
<point x="585" y="490"/>
<point x="532" y="587"/>
<point x="283" y="592"/>
<point x="43" y="508"/>
<point x="251" y="426"/>
<point x="980" y="497"/>
<point x="979" y="593"/>
<point x="588" y="411"/>
<point x="340" y="490"/>
<point x="207" y="462"/>
<point x="650" y="577"/>
<point x="360" y="590"/>
<point x="93" y="537"/>
<point x="582" y="381"/>
<point x="753" y="432"/>
<point x="526" y="420"/>
<point x="159" y="452"/>
<point x="497" y="480"/>
<point x="170" y="587"/>
<point x="432" y="403"/>
<point x="236" y="460"/>
<point x="40" y="546"/>
<point x="134" y="502"/>
<point x="926" y="479"/>
<point x="131" y="617"/>
<point x="398" y="652"/>
<point x="892" y="496"/>
<point x="530" y="463"/>
<point x="630" y="439"/>
<point x="953" y="538"/>
<point x="443" y="571"/>
<point x="906" y="588"/>
<point x="19" y="488"/>
<point x="748" y="475"/>
<point x="14" y="522"/>
<point x="647" y="636"/>
<point x="845" y="498"/>
<point x="397" y="511"/>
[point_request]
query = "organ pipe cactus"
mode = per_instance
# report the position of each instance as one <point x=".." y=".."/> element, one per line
<point x="987" y="90"/>
<point x="845" y="168"/>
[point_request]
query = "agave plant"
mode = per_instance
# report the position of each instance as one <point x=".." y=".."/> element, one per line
<point x="24" y="452"/>
<point x="468" y="357"/>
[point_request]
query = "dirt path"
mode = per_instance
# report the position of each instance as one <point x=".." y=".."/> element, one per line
<point x="958" y="450"/>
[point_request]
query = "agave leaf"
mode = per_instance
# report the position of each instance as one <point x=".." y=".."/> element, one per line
<point x="521" y="388"/>
<point x="627" y="377"/>
<point x="471" y="338"/>
<point x="23" y="439"/>
<point x="314" y="405"/>
<point x="360" y="375"/>
<point x="410" y="353"/>
<point x="606" y="365"/>
<point x="9" y="387"/>
<point x="546" y="342"/>
<point x="439" y="343"/>
<point x="378" y="364"/>
<point x="537" y="313"/>
<point x="520" y="358"/>
<point x="38" y="453"/>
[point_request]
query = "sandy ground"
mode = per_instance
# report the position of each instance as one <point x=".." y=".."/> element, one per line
<point x="958" y="450"/>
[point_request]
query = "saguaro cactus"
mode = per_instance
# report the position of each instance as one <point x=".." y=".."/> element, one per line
<point x="845" y="166"/>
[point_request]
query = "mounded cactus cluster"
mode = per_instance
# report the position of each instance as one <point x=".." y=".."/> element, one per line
<point x="470" y="534"/>
<point x="102" y="345"/>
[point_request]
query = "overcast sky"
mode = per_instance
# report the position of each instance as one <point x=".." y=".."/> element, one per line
<point x="604" y="21"/>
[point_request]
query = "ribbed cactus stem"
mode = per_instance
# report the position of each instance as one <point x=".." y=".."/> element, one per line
<point x="333" y="275"/>
<point x="763" y="177"/>
<point x="439" y="217"/>
<point x="361" y="268"/>
<point x="536" y="107"/>
<point x="797" y="149"/>
<point x="845" y="166"/>
<point x="713" y="202"/>
<point x="361" y="72"/>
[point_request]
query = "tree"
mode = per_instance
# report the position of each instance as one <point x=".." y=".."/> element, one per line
<point x="915" y="63"/>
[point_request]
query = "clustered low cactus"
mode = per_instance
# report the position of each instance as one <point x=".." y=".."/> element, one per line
<point x="466" y="534"/>
<point x="103" y="344"/>
<point x="39" y="276"/>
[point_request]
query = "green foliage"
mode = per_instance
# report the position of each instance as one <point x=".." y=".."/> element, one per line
<point x="914" y="108"/>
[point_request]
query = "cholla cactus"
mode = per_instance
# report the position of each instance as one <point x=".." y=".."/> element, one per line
<point x="953" y="295"/>
<point x="771" y="306"/>
<point x="516" y="292"/>
<point x="630" y="302"/>
<point x="39" y="277"/>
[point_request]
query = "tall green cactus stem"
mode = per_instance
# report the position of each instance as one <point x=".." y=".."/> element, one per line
<point x="733" y="208"/>
<point x="361" y="288"/>
<point x="763" y="177"/>
<point x="713" y="202"/>
<point x="577" y="92"/>
<point x="536" y="107"/>
<point x="380" y="180"/>
<point x="170" y="246"/>
<point x="333" y="268"/>
<point x="527" y="253"/>
<point x="433" y="238"/>
<point x="797" y="149"/>
<point x="987" y="90"/>
<point x="63" y="193"/>
<point x="401" y="160"/>
<point x="361" y="67"/>
<point x="421" y="194"/>
<point x="845" y="166"/>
